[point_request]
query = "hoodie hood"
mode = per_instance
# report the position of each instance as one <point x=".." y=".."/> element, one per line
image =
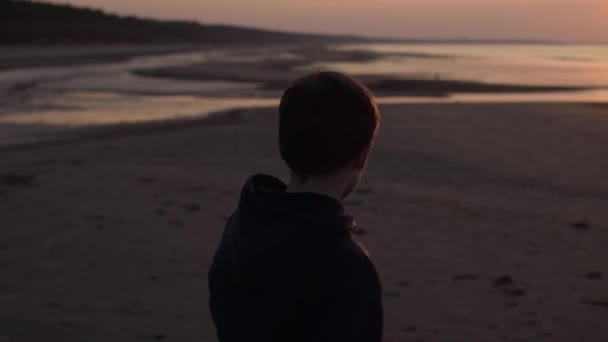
<point x="269" y="218"/>
<point x="264" y="200"/>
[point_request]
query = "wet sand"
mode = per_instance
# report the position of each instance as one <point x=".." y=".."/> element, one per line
<point x="58" y="103"/>
<point x="275" y="71"/>
<point x="487" y="222"/>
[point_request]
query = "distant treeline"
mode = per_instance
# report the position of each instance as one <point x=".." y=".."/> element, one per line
<point x="27" y="22"/>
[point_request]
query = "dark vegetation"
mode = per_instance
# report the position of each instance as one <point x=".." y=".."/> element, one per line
<point x="28" y="22"/>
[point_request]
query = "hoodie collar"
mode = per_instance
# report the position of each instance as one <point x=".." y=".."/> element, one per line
<point x="265" y="196"/>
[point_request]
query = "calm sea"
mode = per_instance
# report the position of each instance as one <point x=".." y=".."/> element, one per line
<point x="580" y="65"/>
<point x="68" y="96"/>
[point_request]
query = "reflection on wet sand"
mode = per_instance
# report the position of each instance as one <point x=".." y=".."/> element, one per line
<point x="192" y="84"/>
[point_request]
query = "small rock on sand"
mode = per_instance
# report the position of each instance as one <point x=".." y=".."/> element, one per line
<point x="581" y="225"/>
<point x="596" y="303"/>
<point x="410" y="328"/>
<point x="364" y="191"/>
<point x="503" y="280"/>
<point x="594" y="275"/>
<point x="512" y="293"/>
<point x="15" y="179"/>
<point x="195" y="189"/>
<point x="176" y="223"/>
<point x="465" y="276"/>
<point x="354" y="203"/>
<point x="53" y="305"/>
<point x="393" y="294"/>
<point x="191" y="207"/>
<point x="77" y="162"/>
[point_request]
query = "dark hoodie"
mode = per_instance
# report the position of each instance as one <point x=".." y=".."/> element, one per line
<point x="289" y="269"/>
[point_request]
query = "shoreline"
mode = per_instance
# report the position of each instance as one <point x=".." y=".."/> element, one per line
<point x="229" y="117"/>
<point x="110" y="131"/>
<point x="271" y="72"/>
<point x="274" y="74"/>
<point x="269" y="69"/>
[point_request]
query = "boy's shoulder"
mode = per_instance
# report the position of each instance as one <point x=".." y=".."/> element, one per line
<point x="351" y="258"/>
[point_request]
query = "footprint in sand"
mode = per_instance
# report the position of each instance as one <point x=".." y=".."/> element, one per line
<point x="581" y="225"/>
<point x="176" y="223"/>
<point x="15" y="179"/>
<point x="48" y="162"/>
<point x="465" y="276"/>
<point x="596" y="303"/>
<point x="403" y="284"/>
<point x="506" y="283"/>
<point x="594" y="275"/>
<point x="77" y="162"/>
<point x="410" y="328"/>
<point x="392" y="294"/>
<point x="228" y="192"/>
<point x="53" y="305"/>
<point x="354" y="203"/>
<point x="364" y="191"/>
<point x="104" y="219"/>
<point x="66" y="324"/>
<point x="195" y="189"/>
<point x="513" y="293"/>
<point x="168" y="203"/>
<point x="503" y="280"/>
<point x="191" y="207"/>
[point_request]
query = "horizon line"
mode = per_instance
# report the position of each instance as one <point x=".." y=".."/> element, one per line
<point x="462" y="40"/>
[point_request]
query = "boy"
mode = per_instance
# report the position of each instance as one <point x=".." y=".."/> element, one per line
<point x="288" y="268"/>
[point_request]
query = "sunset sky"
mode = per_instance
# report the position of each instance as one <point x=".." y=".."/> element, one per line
<point x="571" y="20"/>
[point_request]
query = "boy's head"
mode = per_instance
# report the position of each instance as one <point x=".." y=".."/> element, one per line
<point x="327" y="125"/>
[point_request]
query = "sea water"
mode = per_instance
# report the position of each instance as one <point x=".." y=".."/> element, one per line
<point x="48" y="98"/>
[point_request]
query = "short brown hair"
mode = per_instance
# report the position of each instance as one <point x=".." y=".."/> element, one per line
<point x="326" y="119"/>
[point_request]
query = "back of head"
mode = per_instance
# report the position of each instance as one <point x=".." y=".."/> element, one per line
<point x="326" y="121"/>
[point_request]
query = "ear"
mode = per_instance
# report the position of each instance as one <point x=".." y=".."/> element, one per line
<point x="361" y="159"/>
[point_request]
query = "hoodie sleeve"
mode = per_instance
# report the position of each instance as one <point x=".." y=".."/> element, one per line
<point x="349" y="308"/>
<point x="363" y="300"/>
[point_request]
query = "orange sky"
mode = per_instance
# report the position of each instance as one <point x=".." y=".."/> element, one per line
<point x="572" y="20"/>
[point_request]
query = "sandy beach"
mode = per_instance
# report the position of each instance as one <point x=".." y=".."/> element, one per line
<point x="487" y="222"/>
<point x="127" y="131"/>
